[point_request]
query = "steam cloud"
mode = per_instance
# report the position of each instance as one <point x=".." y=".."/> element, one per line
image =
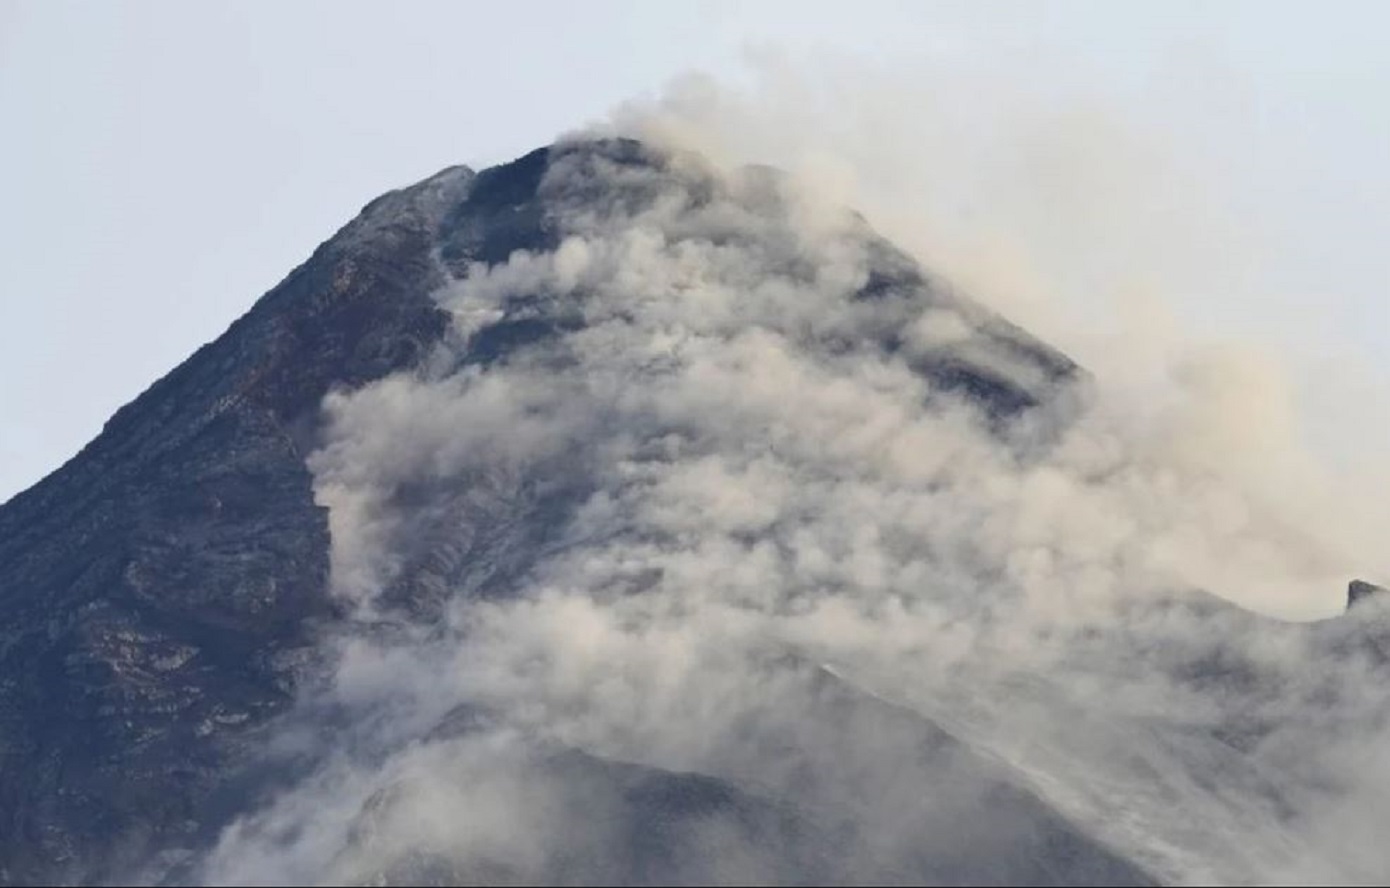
<point x="721" y="457"/>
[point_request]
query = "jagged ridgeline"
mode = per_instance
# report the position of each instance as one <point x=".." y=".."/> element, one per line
<point x="552" y="524"/>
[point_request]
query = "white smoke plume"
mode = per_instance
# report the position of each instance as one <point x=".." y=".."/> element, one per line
<point x="722" y="457"/>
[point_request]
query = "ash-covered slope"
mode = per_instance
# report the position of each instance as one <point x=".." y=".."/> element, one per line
<point x="499" y="542"/>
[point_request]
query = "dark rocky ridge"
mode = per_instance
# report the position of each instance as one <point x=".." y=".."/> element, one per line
<point x="1360" y="590"/>
<point x="161" y="594"/>
<point x="159" y="590"/>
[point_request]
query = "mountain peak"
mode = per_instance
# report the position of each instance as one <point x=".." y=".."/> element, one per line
<point x="1360" y="590"/>
<point x="598" y="395"/>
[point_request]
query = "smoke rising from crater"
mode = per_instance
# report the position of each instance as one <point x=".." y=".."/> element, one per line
<point x="734" y="436"/>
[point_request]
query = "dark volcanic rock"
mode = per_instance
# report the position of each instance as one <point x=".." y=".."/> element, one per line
<point x="160" y="594"/>
<point x="156" y="589"/>
<point x="1359" y="590"/>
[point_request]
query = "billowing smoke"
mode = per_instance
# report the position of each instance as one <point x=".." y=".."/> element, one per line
<point x="716" y="505"/>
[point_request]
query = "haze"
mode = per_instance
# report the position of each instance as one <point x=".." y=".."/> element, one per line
<point x="167" y="163"/>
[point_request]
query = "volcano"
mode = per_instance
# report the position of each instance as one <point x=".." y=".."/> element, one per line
<point x="574" y="521"/>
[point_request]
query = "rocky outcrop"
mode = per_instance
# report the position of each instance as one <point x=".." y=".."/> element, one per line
<point x="1360" y="590"/>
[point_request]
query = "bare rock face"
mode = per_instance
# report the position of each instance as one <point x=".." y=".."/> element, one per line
<point x="162" y="594"/>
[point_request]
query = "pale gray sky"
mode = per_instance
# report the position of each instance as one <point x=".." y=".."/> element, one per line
<point x="164" y="163"/>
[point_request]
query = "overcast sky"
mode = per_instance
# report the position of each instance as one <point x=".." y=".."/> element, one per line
<point x="163" y="164"/>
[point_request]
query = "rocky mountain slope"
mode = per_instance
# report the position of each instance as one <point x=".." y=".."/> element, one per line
<point x="236" y="629"/>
